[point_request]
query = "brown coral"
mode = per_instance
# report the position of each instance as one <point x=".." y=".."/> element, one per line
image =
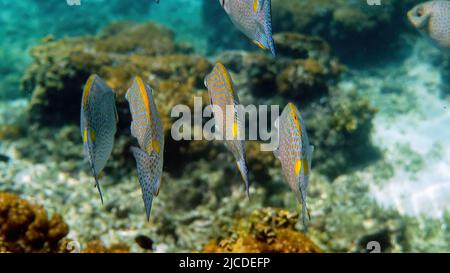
<point x="266" y="230"/>
<point x="25" y="227"/>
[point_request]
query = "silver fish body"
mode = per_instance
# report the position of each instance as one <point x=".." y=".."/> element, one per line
<point x="98" y="124"/>
<point x="295" y="153"/>
<point x="147" y="128"/>
<point x="222" y="94"/>
<point x="432" y="19"/>
<point x="254" y="19"/>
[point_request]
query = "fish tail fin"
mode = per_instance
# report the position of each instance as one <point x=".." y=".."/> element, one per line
<point x="148" y="178"/>
<point x="97" y="185"/>
<point x="244" y="173"/>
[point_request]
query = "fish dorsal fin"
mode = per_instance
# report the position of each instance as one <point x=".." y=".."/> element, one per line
<point x="149" y="176"/>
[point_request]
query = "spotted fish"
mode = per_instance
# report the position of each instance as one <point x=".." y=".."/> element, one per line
<point x="147" y="128"/>
<point x="295" y="153"/>
<point x="253" y="18"/>
<point x="98" y="124"/>
<point x="432" y="19"/>
<point x="222" y="94"/>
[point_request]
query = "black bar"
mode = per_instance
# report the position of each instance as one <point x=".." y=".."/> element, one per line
<point x="129" y="263"/>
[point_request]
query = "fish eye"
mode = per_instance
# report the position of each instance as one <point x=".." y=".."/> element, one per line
<point x="419" y="12"/>
<point x="222" y="2"/>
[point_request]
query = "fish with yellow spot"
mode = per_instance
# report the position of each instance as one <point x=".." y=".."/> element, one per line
<point x="254" y="19"/>
<point x="432" y="19"/>
<point x="147" y="128"/>
<point x="222" y="93"/>
<point x="98" y="124"/>
<point x="295" y="154"/>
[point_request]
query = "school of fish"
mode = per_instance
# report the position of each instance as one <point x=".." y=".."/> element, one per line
<point x="253" y="18"/>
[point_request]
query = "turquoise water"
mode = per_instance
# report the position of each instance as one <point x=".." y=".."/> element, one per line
<point x="372" y="90"/>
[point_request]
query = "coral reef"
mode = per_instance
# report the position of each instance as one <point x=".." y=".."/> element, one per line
<point x="25" y="227"/>
<point x="341" y="125"/>
<point x="265" y="230"/>
<point x="348" y="25"/>
<point x="117" y="54"/>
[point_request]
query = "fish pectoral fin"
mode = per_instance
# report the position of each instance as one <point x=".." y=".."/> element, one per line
<point x="149" y="176"/>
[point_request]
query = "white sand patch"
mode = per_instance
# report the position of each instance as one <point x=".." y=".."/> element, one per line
<point x="426" y="131"/>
